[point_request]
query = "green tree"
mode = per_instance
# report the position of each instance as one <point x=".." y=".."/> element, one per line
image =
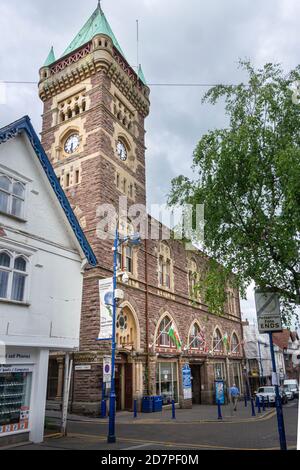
<point x="248" y="177"/>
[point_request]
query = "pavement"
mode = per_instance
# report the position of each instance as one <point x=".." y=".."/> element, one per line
<point x="193" y="430"/>
<point x="198" y="414"/>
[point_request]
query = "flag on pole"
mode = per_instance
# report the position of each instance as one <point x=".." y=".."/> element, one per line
<point x="174" y="336"/>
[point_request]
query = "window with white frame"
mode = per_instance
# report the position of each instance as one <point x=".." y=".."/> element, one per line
<point x="12" y="196"/>
<point x="13" y="276"/>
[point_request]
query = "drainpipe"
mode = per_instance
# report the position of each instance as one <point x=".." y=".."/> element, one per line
<point x="147" y="317"/>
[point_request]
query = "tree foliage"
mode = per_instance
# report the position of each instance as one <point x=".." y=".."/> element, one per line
<point x="248" y="177"/>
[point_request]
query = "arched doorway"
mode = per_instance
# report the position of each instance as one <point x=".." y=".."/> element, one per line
<point x="128" y="341"/>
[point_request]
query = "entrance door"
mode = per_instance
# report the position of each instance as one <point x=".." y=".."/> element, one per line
<point x="128" y="386"/>
<point x="118" y="387"/>
<point x="196" y="384"/>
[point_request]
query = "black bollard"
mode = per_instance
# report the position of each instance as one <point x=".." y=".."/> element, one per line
<point x="245" y="401"/>
<point x="263" y="404"/>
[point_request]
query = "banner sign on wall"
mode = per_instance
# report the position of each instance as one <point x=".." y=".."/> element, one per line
<point x="187" y="382"/>
<point x="220" y="391"/>
<point x="106" y="308"/>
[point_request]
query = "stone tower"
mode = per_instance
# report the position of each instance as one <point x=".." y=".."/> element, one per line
<point x="95" y="105"/>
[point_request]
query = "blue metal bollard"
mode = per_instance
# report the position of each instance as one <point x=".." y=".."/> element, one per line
<point x="263" y="404"/>
<point x="173" y="410"/>
<point x="245" y="401"/>
<point x="103" y="409"/>
<point x="219" y="410"/>
<point x="253" y="407"/>
<point x="135" y="409"/>
<point x="258" y="406"/>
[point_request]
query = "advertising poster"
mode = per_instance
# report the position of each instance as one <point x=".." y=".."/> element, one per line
<point x="106" y="308"/>
<point x="187" y="382"/>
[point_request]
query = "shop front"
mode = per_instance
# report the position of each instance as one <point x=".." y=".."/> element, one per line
<point x="167" y="384"/>
<point x="23" y="379"/>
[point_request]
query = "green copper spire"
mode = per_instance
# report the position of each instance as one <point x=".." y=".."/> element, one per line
<point x="51" y="58"/>
<point x="96" y="24"/>
<point x="141" y="75"/>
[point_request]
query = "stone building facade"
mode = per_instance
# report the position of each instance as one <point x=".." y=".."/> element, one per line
<point x="95" y="106"/>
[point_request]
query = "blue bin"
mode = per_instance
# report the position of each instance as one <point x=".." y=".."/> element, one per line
<point x="157" y="404"/>
<point x="147" y="405"/>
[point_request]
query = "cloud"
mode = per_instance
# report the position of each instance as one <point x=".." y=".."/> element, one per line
<point x="190" y="42"/>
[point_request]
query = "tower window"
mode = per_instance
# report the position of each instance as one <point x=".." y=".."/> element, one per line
<point x="77" y="177"/>
<point x="67" y="180"/>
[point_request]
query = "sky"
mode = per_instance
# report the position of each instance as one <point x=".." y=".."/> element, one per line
<point x="191" y="41"/>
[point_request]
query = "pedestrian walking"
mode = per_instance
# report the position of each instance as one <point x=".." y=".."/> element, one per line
<point x="234" y="396"/>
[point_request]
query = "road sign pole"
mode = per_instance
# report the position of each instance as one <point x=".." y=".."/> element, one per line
<point x="280" y="420"/>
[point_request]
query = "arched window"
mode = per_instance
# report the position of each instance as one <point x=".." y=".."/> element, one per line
<point x="194" y="277"/>
<point x="165" y="272"/>
<point x="125" y="260"/>
<point x="218" y="346"/>
<point x="13" y="275"/>
<point x="164" y="339"/>
<point x="197" y="338"/>
<point x="235" y="346"/>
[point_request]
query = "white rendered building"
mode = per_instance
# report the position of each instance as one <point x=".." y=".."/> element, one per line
<point x="43" y="252"/>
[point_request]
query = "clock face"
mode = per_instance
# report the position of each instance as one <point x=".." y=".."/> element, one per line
<point x="121" y="151"/>
<point x="72" y="143"/>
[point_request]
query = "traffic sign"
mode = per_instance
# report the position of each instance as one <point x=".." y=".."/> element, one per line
<point x="107" y="369"/>
<point x="268" y="311"/>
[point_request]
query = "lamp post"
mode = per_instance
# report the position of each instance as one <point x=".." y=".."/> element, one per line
<point x="132" y="240"/>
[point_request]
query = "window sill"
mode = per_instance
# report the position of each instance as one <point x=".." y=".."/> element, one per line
<point x="15" y="217"/>
<point x="14" y="302"/>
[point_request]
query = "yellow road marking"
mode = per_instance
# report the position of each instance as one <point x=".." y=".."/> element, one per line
<point x="266" y="417"/>
<point x="173" y="444"/>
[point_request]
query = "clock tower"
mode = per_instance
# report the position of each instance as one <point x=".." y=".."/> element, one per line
<point x="95" y="105"/>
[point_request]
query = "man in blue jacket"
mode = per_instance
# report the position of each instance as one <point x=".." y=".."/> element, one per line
<point x="234" y="395"/>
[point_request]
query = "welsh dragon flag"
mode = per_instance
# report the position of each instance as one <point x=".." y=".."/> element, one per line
<point x="174" y="336"/>
<point x="225" y="341"/>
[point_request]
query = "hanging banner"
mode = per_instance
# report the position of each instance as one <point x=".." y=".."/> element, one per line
<point x="106" y="308"/>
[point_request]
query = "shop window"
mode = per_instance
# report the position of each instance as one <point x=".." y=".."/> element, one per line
<point x="12" y="196"/>
<point x="13" y="276"/>
<point x="167" y="382"/>
<point x="15" y="391"/>
<point x="219" y="371"/>
<point x="218" y="346"/>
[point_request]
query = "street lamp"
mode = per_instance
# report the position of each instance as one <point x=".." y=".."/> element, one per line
<point x="131" y="240"/>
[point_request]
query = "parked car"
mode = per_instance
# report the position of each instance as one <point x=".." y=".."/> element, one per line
<point x="293" y="386"/>
<point x="270" y="392"/>
<point x="290" y="395"/>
